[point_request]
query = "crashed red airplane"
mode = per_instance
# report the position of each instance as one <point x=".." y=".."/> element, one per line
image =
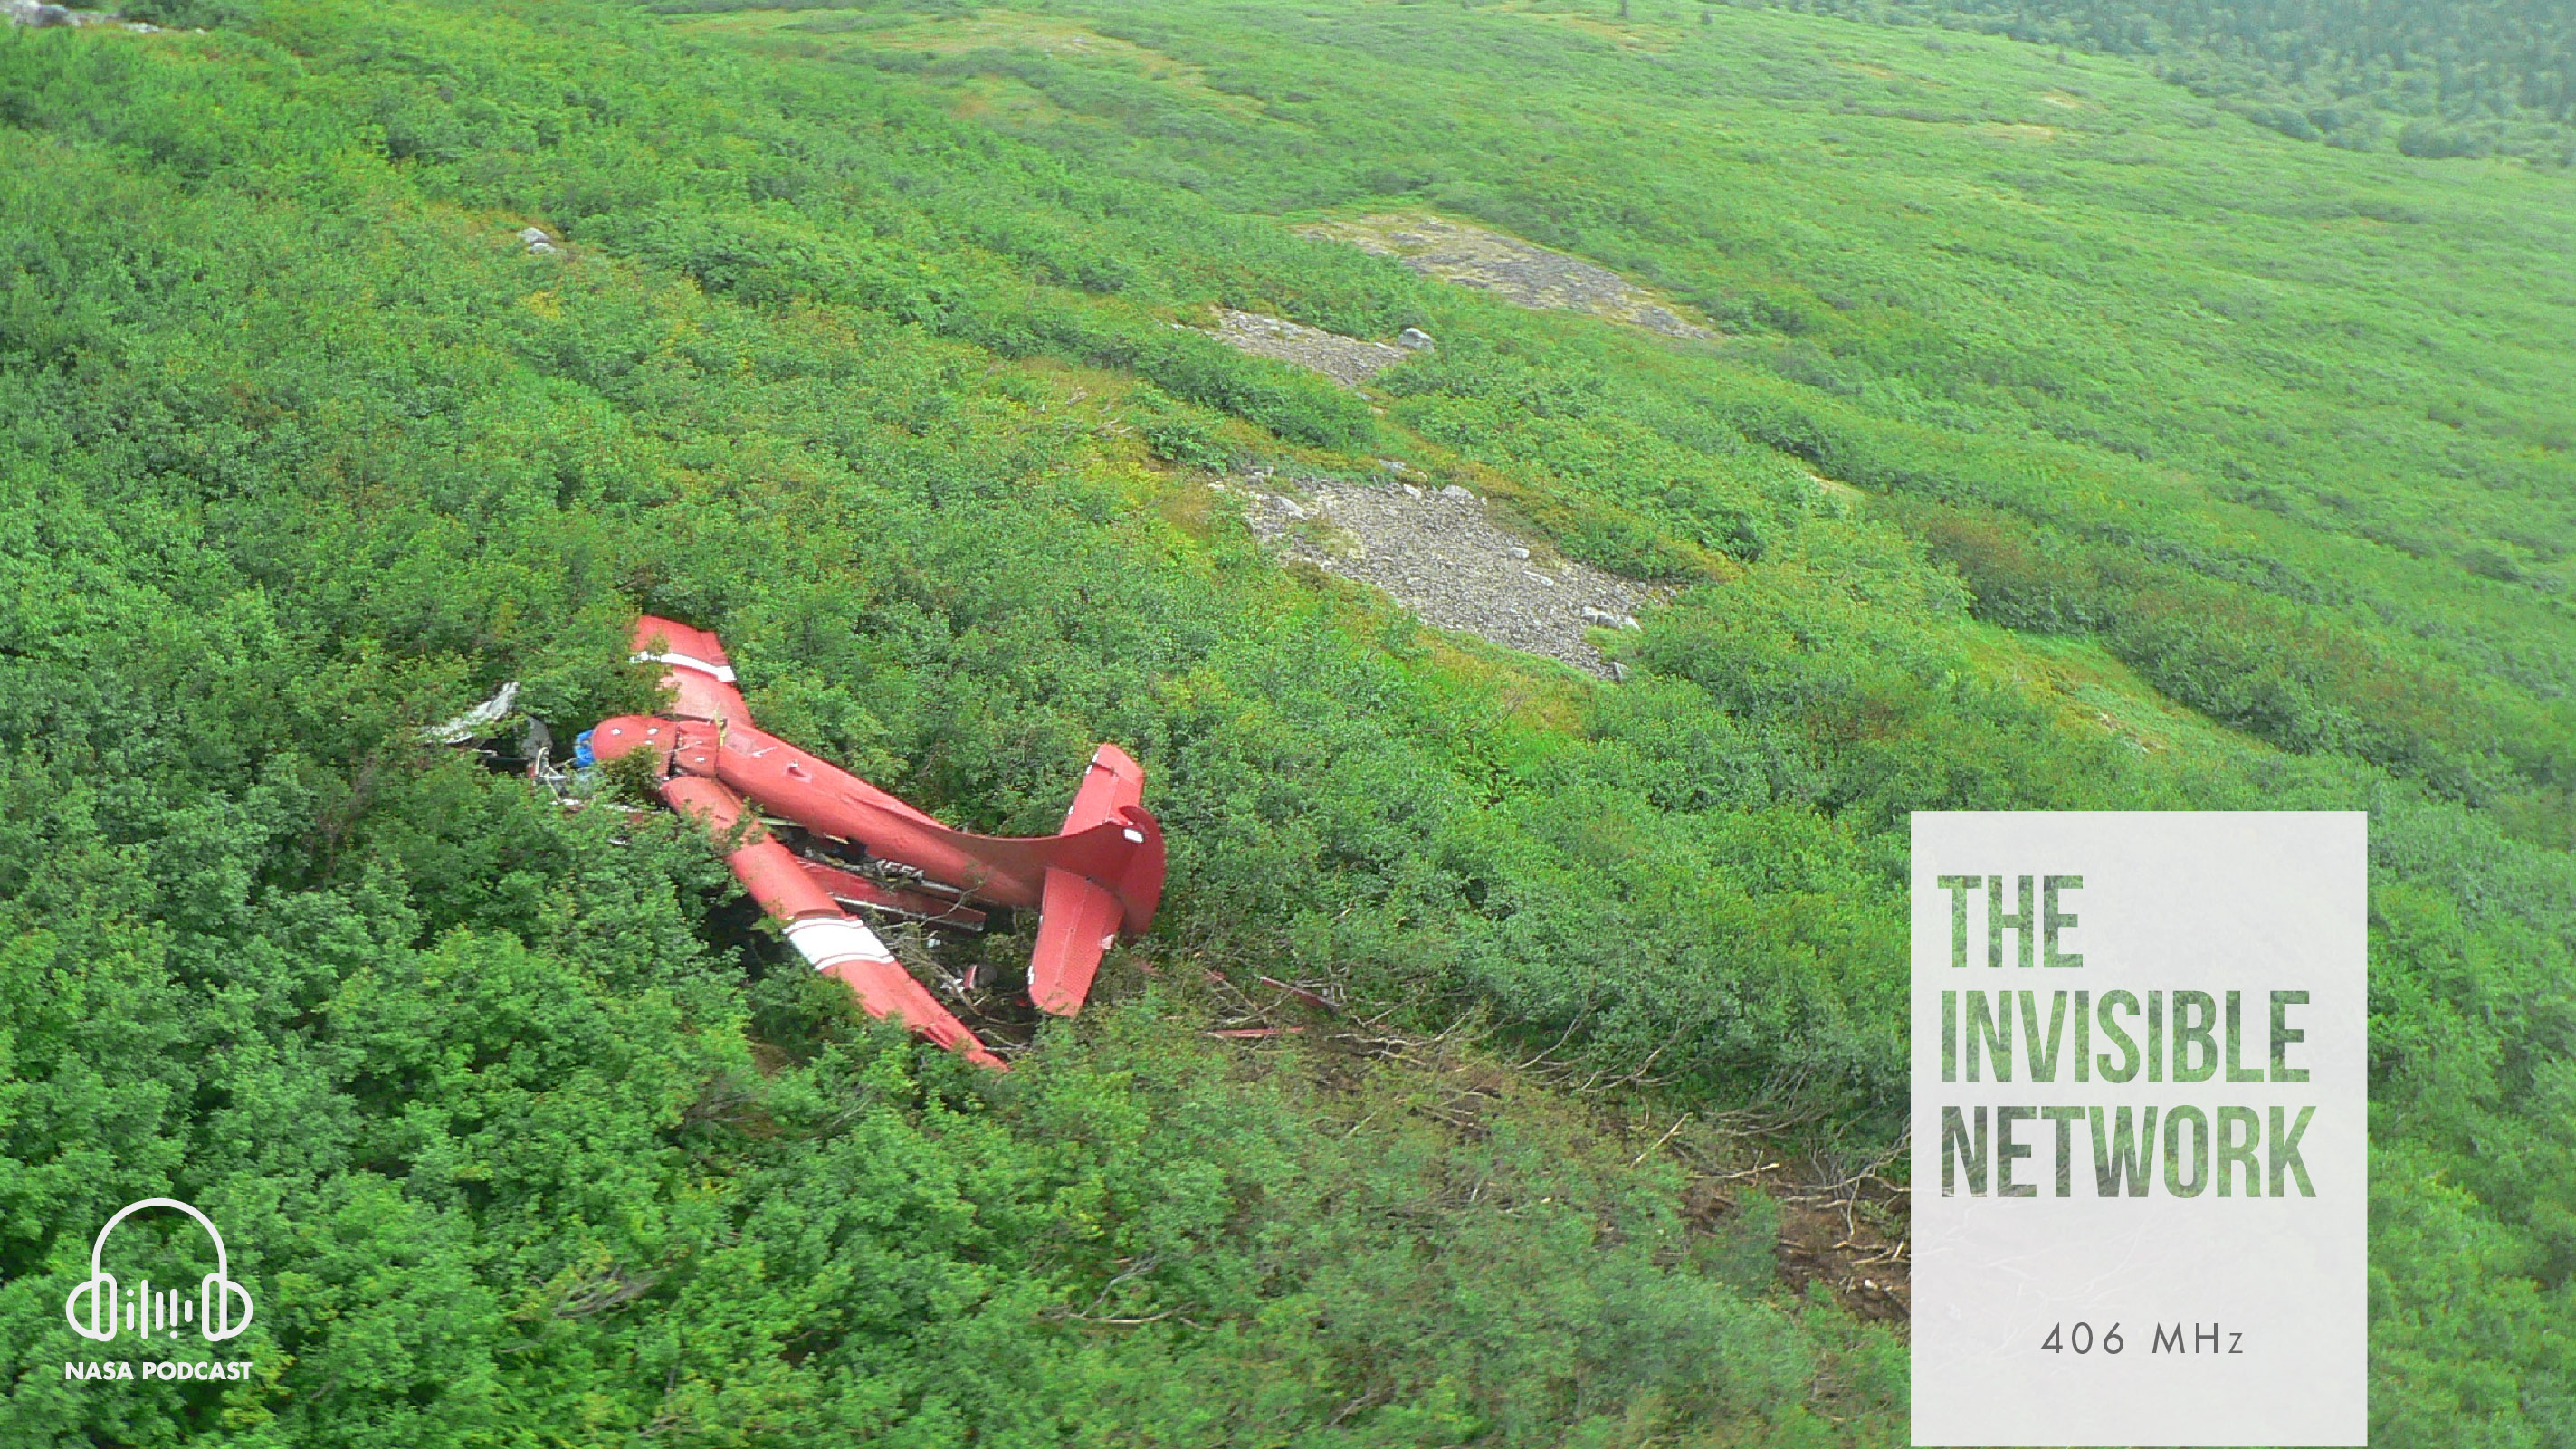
<point x="843" y="841"/>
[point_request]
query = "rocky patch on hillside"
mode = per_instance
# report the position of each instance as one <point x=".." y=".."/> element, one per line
<point x="1436" y="552"/>
<point x="1349" y="361"/>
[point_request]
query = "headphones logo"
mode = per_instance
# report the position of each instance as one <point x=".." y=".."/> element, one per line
<point x="142" y="1309"/>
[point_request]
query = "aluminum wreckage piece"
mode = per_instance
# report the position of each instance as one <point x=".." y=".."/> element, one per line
<point x="1095" y="881"/>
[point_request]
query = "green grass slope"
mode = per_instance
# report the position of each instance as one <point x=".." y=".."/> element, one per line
<point x="2176" y="368"/>
<point x="2425" y="77"/>
<point x="860" y="351"/>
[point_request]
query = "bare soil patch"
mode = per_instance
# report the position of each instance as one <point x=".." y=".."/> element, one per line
<point x="1855" y="1244"/>
<point x="1520" y="272"/>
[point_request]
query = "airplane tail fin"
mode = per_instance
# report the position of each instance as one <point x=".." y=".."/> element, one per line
<point x="1083" y="913"/>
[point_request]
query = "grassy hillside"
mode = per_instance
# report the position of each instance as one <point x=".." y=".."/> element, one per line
<point x="2129" y="366"/>
<point x="2166" y="463"/>
<point x="2428" y="77"/>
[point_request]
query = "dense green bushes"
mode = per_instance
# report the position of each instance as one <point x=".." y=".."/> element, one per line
<point x="469" y="1080"/>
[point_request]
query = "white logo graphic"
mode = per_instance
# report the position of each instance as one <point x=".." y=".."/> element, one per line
<point x="142" y="1310"/>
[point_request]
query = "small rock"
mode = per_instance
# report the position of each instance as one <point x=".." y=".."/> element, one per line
<point x="1390" y="465"/>
<point x="1287" y="506"/>
<point x="1593" y="614"/>
<point x="1409" y="490"/>
<point x="1413" y="339"/>
<point x="1454" y="491"/>
<point x="1519" y="552"/>
<point x="1542" y="578"/>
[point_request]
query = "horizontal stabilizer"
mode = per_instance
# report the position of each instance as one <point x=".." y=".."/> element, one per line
<point x="1076" y="926"/>
<point x="1091" y="896"/>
